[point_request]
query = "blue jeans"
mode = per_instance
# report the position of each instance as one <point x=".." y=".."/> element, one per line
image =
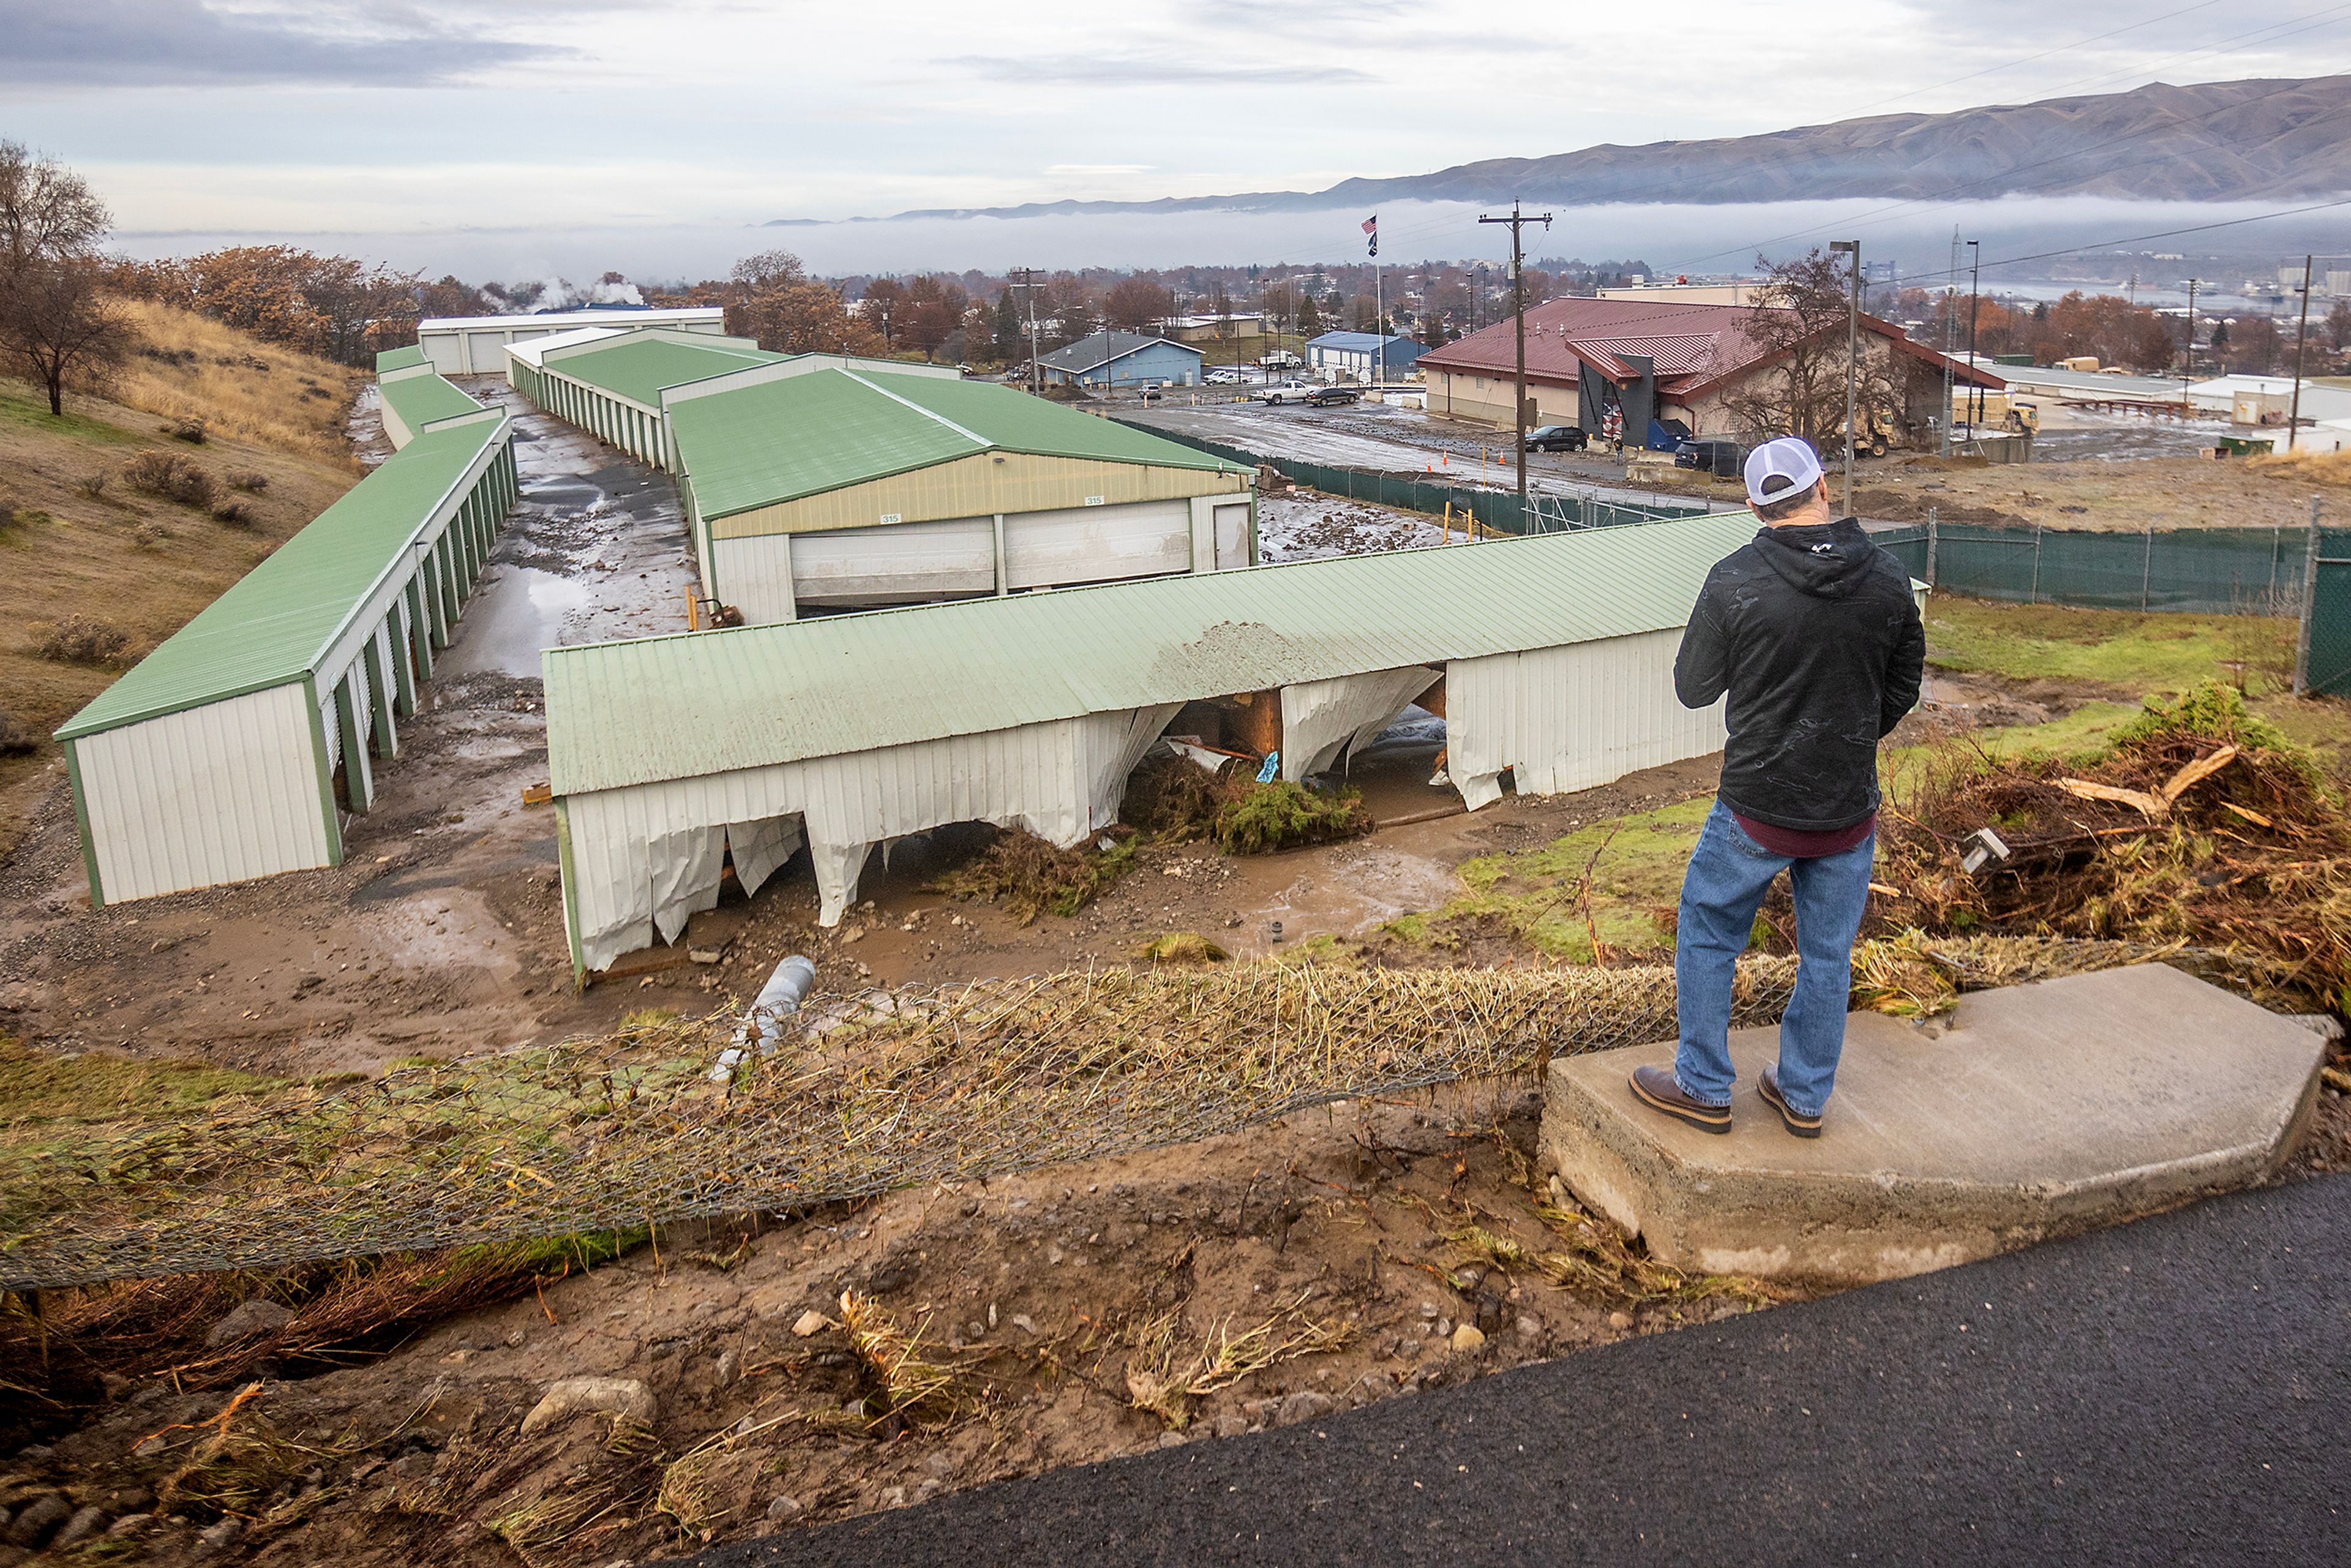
<point x="1729" y="873"/>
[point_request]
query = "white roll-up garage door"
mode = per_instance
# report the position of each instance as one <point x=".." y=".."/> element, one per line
<point x="902" y="563"/>
<point x="1097" y="544"/>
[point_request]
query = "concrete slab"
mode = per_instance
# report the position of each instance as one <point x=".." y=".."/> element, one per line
<point x="2030" y="1111"/>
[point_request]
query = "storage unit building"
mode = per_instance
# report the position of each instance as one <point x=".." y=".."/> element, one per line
<point x="610" y="382"/>
<point x="1365" y="356"/>
<point x="415" y="396"/>
<point x="670" y="755"/>
<point x="1123" y="359"/>
<point x="234" y="749"/>
<point x="847" y="487"/>
<point x="475" y="345"/>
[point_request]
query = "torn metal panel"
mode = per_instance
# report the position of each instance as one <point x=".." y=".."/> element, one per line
<point x="1323" y="722"/>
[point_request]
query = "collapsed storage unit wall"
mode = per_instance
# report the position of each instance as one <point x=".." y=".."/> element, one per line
<point x="847" y="731"/>
<point x="852" y="484"/>
<point x="415" y="398"/>
<point x="233" y="750"/>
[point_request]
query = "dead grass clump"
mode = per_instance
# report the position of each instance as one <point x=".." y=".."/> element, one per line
<point x="1173" y="801"/>
<point x="84" y="639"/>
<point x="252" y="481"/>
<point x="1028" y="876"/>
<point x="15" y="739"/>
<point x="191" y="430"/>
<point x="1284" y="815"/>
<point x="1182" y="947"/>
<point x="93" y="486"/>
<point x="904" y="1387"/>
<point x="170" y="476"/>
<point x="2322" y="467"/>
<point x="2198" y="823"/>
<point x="150" y="536"/>
<point x="235" y="513"/>
<point x="1164" y="1377"/>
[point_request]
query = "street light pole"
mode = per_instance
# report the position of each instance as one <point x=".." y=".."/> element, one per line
<point x="1975" y="295"/>
<point x="1851" y="247"/>
<point x="2302" y="333"/>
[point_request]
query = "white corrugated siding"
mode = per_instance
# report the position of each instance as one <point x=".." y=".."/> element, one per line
<point x="1321" y="721"/>
<point x="755" y="575"/>
<point x="204" y="796"/>
<point x="1097" y="544"/>
<point x="1232" y="536"/>
<point x="649" y="850"/>
<point x="910" y="561"/>
<point x="1569" y="718"/>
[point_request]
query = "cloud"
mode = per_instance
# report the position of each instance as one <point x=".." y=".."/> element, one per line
<point x="73" y="43"/>
<point x="1128" y="70"/>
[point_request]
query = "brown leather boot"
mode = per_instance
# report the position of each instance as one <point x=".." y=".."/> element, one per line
<point x="1657" y="1088"/>
<point x="1769" y="1087"/>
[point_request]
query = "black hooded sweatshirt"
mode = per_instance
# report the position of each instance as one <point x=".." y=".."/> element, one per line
<point x="1813" y="632"/>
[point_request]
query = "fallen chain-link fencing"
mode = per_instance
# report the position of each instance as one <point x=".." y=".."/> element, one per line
<point x="862" y="1095"/>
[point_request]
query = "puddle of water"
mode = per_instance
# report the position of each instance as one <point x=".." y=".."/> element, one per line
<point x="1347" y="890"/>
<point x="516" y="611"/>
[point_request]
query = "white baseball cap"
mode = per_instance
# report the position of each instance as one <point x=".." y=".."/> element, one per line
<point x="1782" y="469"/>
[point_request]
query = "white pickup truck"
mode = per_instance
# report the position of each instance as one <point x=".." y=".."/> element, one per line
<point x="1288" y="391"/>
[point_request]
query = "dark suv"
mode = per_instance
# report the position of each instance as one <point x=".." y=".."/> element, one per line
<point x="1557" y="438"/>
<point x="1721" y="458"/>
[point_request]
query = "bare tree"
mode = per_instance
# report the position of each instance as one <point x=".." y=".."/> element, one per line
<point x="61" y="324"/>
<point x="769" y="269"/>
<point x="1797" y="325"/>
<point x="46" y="210"/>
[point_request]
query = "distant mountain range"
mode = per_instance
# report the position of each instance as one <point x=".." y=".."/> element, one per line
<point x="2214" y="141"/>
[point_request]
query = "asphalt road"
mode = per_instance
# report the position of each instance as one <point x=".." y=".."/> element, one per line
<point x="2173" y="1392"/>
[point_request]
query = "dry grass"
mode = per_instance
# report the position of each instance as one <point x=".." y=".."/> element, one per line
<point x="74" y="538"/>
<point x="1164" y="1377"/>
<point x="232" y="385"/>
<point x="2311" y="467"/>
<point x="906" y="1386"/>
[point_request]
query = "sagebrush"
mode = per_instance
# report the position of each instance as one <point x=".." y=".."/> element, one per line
<point x="170" y="476"/>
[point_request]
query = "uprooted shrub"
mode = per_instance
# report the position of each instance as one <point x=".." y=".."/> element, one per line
<point x="1284" y="815"/>
<point x="172" y="477"/>
<point x="85" y="640"/>
<point x="1028" y="876"/>
<point x="2198" y="822"/>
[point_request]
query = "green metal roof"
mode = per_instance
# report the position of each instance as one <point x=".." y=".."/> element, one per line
<point x="417" y="399"/>
<point x="758" y="446"/>
<point x="276" y="622"/>
<point x="638" y="367"/>
<point x="400" y="358"/>
<point x="669" y="707"/>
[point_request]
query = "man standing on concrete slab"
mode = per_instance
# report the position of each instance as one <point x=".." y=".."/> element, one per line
<point x="1812" y="632"/>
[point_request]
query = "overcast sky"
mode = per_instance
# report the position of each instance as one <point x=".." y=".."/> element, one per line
<point x="303" y="115"/>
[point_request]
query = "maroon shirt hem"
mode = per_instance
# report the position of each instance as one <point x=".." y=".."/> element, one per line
<point x="1799" y="845"/>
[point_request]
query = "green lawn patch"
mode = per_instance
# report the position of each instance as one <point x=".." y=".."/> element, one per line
<point x="19" y="404"/>
<point x="2136" y="653"/>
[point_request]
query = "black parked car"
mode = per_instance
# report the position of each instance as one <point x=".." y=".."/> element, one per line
<point x="1723" y="458"/>
<point x="1557" y="438"/>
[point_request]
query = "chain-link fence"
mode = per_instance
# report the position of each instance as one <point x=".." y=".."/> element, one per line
<point x="1498" y="510"/>
<point x="866" y="1094"/>
<point x="2325" y="657"/>
<point x="2206" y="571"/>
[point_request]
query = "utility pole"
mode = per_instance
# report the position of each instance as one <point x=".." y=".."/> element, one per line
<point x="2294" y="412"/>
<point x="1950" y="327"/>
<point x="1518" y="222"/>
<point x="2188" y="368"/>
<point x="1851" y="247"/>
<point x="1975" y="296"/>
<point x="1024" y="280"/>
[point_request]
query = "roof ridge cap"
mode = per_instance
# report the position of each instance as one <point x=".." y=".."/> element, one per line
<point x="971" y="435"/>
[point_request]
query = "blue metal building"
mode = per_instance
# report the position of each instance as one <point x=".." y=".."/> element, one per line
<point x="1124" y="359"/>
<point x="1350" y="356"/>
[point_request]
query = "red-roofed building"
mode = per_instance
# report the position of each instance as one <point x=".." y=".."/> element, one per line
<point x="1656" y="359"/>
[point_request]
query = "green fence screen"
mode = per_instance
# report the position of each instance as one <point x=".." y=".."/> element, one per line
<point x="2209" y="571"/>
<point x="2328" y="658"/>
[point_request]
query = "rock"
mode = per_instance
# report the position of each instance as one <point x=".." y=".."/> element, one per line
<point x="85" y="1524"/>
<point x="783" y="1506"/>
<point x="515" y="1338"/>
<point x="927" y="1490"/>
<point x="1024" y="1323"/>
<point x="1468" y="1340"/>
<point x="704" y="955"/>
<point x="1306" y="1404"/>
<point x="37" y="1518"/>
<point x="572" y="1396"/>
<point x="131" y="1524"/>
<point x="1445" y="1328"/>
<point x="1528" y="1326"/>
<point x="729" y="1360"/>
<point x="809" y="1324"/>
<point x="745" y="1427"/>
<point x="1620" y="1320"/>
<point x="222" y="1536"/>
<point x="1171" y="1439"/>
<point x="894" y="1497"/>
<point x="1428" y="1309"/>
<point x="1231" y="1425"/>
<point x="940" y="1465"/>
<point x="256" y="1316"/>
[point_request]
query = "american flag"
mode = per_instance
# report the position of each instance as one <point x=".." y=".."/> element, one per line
<point x="1371" y="227"/>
